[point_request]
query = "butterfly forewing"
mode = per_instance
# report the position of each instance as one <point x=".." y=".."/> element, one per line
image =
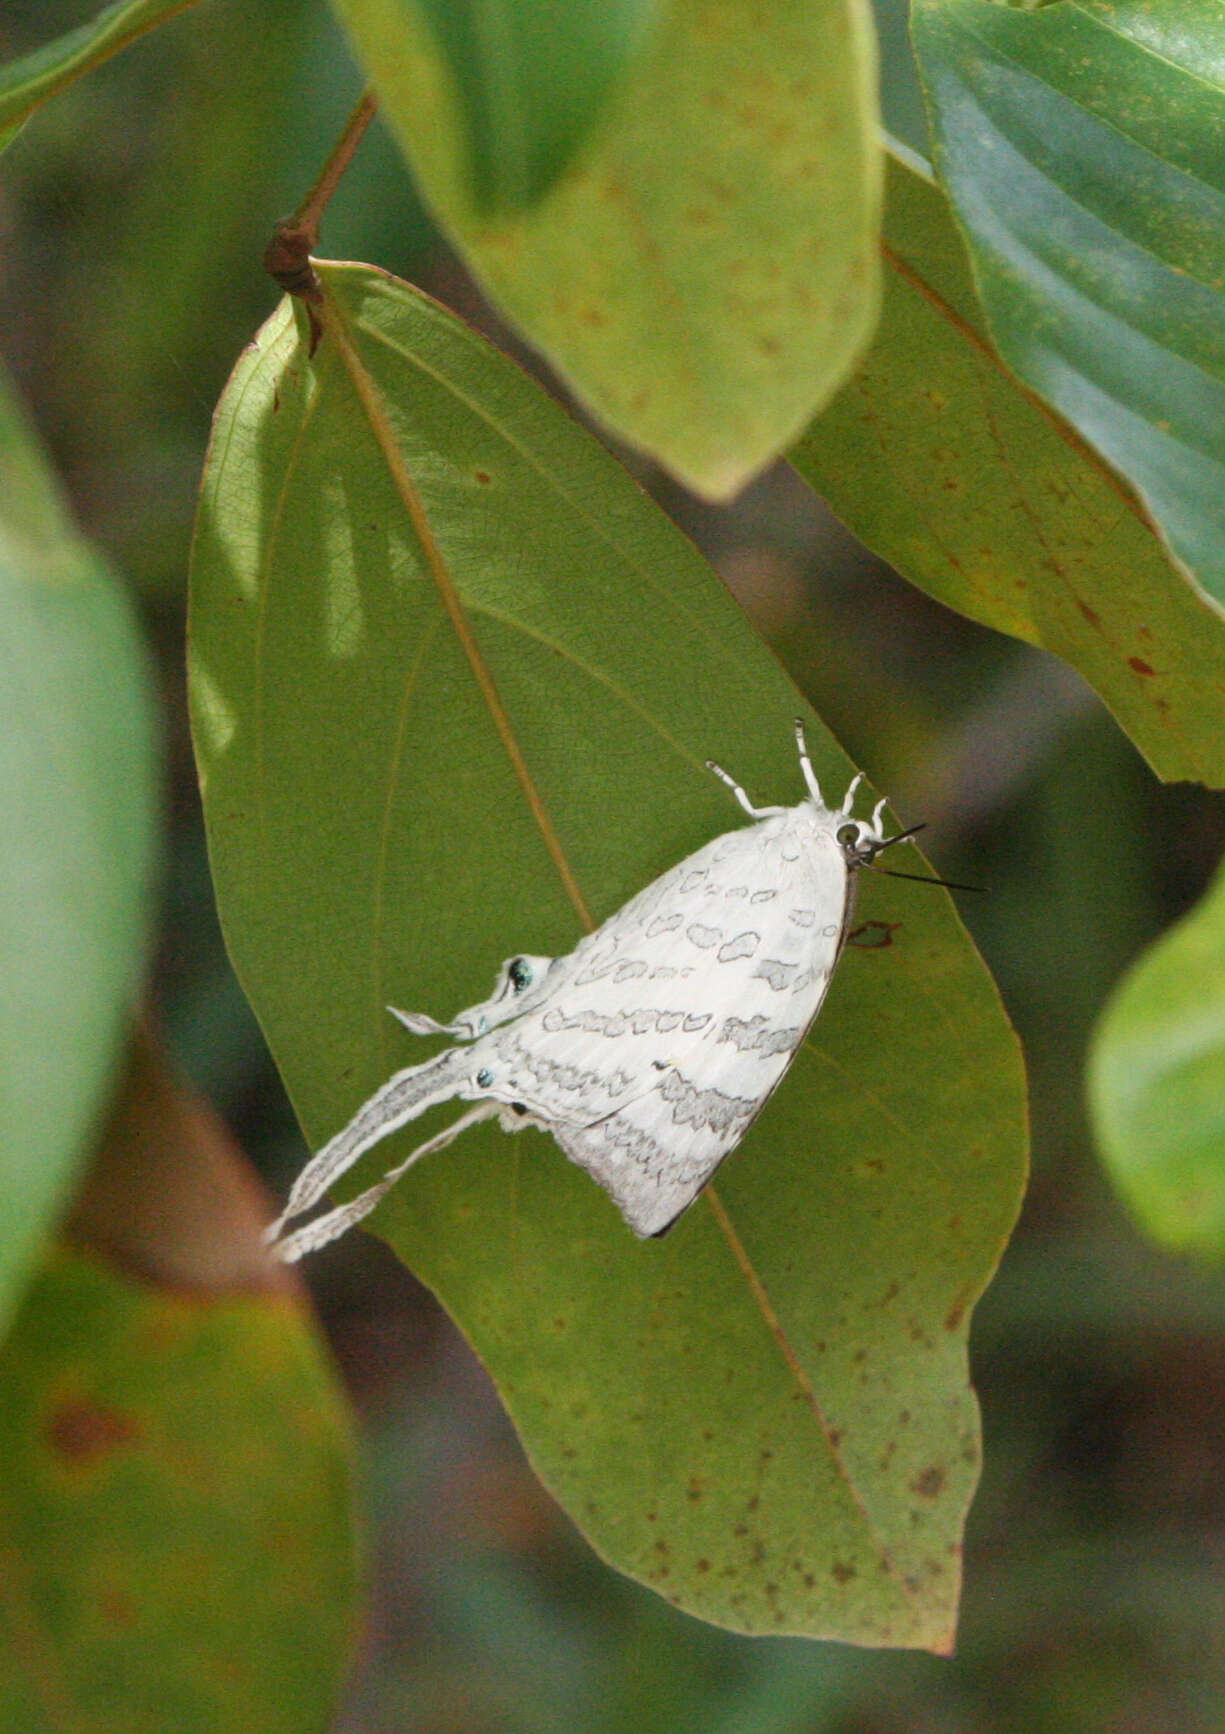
<point x="662" y="1034"/>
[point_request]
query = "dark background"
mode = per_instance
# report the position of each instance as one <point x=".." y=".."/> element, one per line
<point x="133" y="213"/>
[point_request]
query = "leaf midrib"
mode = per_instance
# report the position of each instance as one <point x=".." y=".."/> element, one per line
<point x="369" y="397"/>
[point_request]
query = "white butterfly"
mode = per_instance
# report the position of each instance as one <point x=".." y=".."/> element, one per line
<point x="650" y="1049"/>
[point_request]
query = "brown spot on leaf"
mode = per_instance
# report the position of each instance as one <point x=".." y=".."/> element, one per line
<point x="958" y="1309"/>
<point x="82" y="1431"/>
<point x="1140" y="667"/>
<point x="116" y="1608"/>
<point x="929" y="1482"/>
<point x="483" y="477"/>
<point x="841" y="1571"/>
<point x="873" y="935"/>
<point x="1090" y="614"/>
<point x="702" y="1565"/>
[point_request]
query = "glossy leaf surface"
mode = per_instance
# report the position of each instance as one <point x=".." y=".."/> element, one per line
<point x="1157" y="1082"/>
<point x="454" y="680"/>
<point x="1083" y="145"/>
<point x="705" y="273"/>
<point x="946" y="465"/>
<point x="77" y="770"/>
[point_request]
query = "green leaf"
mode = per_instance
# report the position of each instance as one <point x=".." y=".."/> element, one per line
<point x="454" y="679"/>
<point x="530" y="78"/>
<point x="944" y="464"/>
<point x="174" y="1517"/>
<point x="27" y="83"/>
<point x="1157" y="1082"/>
<point x="77" y="768"/>
<point x="1083" y="145"/>
<point x="705" y="274"/>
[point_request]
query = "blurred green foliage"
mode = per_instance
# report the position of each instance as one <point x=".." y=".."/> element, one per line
<point x="129" y="279"/>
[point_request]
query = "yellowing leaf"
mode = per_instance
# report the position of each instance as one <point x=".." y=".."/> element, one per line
<point x="705" y="273"/>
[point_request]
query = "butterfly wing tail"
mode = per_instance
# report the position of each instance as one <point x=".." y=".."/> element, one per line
<point x="334" y="1223"/>
<point x="401" y="1099"/>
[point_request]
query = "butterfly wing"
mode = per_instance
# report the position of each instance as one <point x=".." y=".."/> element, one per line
<point x="665" y="1031"/>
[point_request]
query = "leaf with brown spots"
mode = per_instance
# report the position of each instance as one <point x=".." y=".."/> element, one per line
<point x="175" y="1523"/>
<point x="439" y="722"/>
<point x="705" y="273"/>
<point x="954" y="472"/>
<point x="174" y="1519"/>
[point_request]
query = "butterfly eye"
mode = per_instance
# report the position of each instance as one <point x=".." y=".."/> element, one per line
<point x="848" y="835"/>
<point x="520" y="973"/>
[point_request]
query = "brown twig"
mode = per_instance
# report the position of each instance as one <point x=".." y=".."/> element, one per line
<point x="287" y="257"/>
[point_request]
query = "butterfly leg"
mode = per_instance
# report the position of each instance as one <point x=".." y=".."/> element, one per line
<point x="421" y="1025"/>
<point x="810" y="776"/>
<point x="332" y="1225"/>
<point x="731" y="783"/>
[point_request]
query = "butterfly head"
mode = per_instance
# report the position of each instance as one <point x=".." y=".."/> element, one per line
<point x="861" y="839"/>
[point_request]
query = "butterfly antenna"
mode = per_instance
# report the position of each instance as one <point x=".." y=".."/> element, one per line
<point x="901" y="837"/>
<point x="919" y="878"/>
<point x="927" y="879"/>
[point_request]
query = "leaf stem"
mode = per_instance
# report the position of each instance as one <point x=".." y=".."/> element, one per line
<point x="287" y="255"/>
